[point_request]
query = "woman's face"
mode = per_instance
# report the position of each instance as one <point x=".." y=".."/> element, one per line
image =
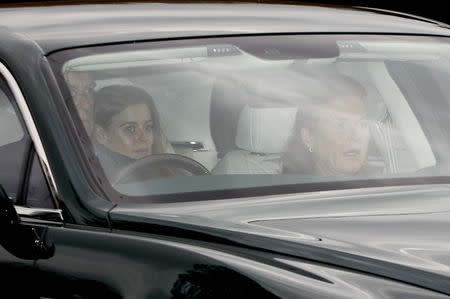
<point x="130" y="132"/>
<point x="340" y="139"/>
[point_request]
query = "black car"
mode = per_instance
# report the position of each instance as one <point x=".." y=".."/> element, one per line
<point x="245" y="150"/>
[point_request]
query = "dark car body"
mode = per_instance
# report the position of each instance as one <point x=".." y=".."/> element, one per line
<point x="301" y="242"/>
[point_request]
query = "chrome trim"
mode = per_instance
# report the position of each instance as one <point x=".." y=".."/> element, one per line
<point x="54" y="215"/>
<point x="32" y="130"/>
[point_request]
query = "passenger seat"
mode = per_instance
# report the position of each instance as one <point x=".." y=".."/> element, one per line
<point x="262" y="136"/>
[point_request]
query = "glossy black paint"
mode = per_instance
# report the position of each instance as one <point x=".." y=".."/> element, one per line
<point x="68" y="174"/>
<point x="222" y="250"/>
<point x="142" y="265"/>
<point x="29" y="246"/>
<point x="414" y="250"/>
<point x="17" y="254"/>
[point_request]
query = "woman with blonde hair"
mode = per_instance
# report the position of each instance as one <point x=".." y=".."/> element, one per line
<point x="331" y="134"/>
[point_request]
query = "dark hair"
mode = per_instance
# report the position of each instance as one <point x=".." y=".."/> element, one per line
<point x="298" y="159"/>
<point x="113" y="99"/>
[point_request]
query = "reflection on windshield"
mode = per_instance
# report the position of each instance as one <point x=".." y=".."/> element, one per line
<point x="245" y="107"/>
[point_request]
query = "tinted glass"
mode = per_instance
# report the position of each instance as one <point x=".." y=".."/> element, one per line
<point x="38" y="195"/>
<point x="15" y="165"/>
<point x="12" y="143"/>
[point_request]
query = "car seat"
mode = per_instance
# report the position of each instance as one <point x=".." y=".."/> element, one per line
<point x="228" y="97"/>
<point x="262" y="136"/>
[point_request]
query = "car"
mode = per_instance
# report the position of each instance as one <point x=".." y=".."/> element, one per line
<point x="223" y="150"/>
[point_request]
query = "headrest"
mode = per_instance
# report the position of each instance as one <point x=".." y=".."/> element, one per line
<point x="265" y="129"/>
<point x="227" y="100"/>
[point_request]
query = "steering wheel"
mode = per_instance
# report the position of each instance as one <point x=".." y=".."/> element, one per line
<point x="160" y="161"/>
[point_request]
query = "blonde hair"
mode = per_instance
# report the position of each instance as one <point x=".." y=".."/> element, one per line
<point x="298" y="159"/>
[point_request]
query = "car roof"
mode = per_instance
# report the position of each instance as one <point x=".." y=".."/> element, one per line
<point x="55" y="27"/>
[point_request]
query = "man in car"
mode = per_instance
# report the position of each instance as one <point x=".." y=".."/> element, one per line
<point x="81" y="86"/>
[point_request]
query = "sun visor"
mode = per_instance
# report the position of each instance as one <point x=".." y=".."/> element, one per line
<point x="131" y="59"/>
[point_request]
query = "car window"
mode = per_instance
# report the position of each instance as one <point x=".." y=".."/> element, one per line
<point x="38" y="193"/>
<point x="11" y="130"/>
<point x="236" y="115"/>
<point x="12" y="144"/>
<point x="17" y="158"/>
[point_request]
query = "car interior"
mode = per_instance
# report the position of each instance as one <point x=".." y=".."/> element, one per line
<point x="234" y="112"/>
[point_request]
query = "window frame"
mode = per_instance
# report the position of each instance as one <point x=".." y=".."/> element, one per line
<point x="34" y="150"/>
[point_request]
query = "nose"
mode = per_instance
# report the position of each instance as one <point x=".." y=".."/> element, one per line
<point x="357" y="131"/>
<point x="143" y="136"/>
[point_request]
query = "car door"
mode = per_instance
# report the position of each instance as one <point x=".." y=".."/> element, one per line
<point x="43" y="255"/>
<point x="32" y="227"/>
<point x="23" y="183"/>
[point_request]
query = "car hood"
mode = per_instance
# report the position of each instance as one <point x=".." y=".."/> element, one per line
<point x="396" y="232"/>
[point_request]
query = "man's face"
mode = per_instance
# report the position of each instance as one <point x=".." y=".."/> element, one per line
<point x="81" y="85"/>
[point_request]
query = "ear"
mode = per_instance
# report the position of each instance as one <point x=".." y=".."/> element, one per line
<point x="307" y="138"/>
<point x="100" y="135"/>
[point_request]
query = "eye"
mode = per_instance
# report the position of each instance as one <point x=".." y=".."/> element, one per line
<point x="149" y="127"/>
<point x="131" y="129"/>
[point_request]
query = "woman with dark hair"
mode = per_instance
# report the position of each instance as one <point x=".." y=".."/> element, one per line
<point x="127" y="126"/>
<point x="331" y="134"/>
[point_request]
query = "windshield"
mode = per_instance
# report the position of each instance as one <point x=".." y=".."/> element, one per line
<point x="271" y="113"/>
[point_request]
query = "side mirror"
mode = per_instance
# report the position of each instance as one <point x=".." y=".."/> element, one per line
<point x="22" y="241"/>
